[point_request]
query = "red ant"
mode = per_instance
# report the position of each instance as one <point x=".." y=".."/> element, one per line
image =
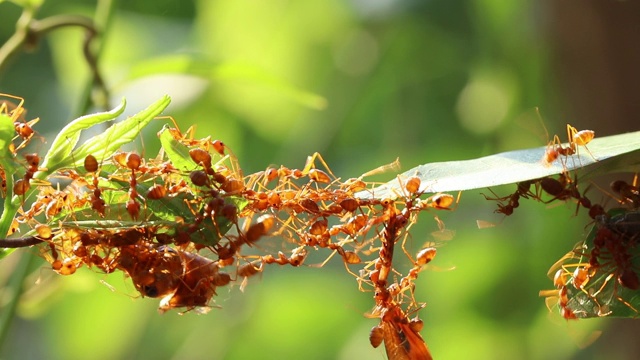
<point x="97" y="203"/>
<point x="21" y="186"/>
<point x="617" y="244"/>
<point x="523" y="191"/>
<point x="560" y="295"/>
<point x="132" y="161"/>
<point x="24" y="129"/>
<point x="576" y="138"/>
<point x="250" y="269"/>
<point x="630" y="193"/>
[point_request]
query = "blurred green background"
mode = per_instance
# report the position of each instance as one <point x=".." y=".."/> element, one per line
<point x="362" y="82"/>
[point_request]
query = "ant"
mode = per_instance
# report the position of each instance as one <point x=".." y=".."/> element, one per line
<point x="630" y="193"/>
<point x="132" y="161"/>
<point x="187" y="138"/>
<point x="563" y="299"/>
<point x="564" y="188"/>
<point x="617" y="244"/>
<point x="284" y="174"/>
<point x="523" y="191"/>
<point x="97" y="203"/>
<point x="561" y="294"/>
<point x="22" y="186"/>
<point x="576" y="138"/>
<point x="24" y="129"/>
<point x="423" y="257"/>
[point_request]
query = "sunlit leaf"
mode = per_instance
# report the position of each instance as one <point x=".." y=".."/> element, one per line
<point x="615" y="153"/>
<point x="59" y="153"/>
<point x="121" y="133"/>
<point x="7" y="131"/>
<point x="177" y="152"/>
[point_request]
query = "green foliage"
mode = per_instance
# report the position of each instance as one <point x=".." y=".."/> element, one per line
<point x="120" y="133"/>
<point x="7" y="131"/>
<point x="177" y="152"/>
<point x="59" y="154"/>
<point x="104" y="145"/>
<point x="62" y="155"/>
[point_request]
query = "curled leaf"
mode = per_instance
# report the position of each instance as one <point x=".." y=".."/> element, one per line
<point x="121" y="133"/>
<point x="59" y="153"/>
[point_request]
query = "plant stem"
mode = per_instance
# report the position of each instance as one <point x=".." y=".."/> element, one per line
<point x="18" y="39"/>
<point x="102" y="20"/>
<point x="29" y="31"/>
<point x="19" y="242"/>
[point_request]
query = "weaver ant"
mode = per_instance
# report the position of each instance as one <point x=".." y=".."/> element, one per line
<point x="132" y="161"/>
<point x="97" y="203"/>
<point x="630" y="193"/>
<point x="560" y="295"/>
<point x="21" y="186"/>
<point x="612" y="238"/>
<point x="24" y="129"/>
<point x="513" y="201"/>
<point x="576" y="138"/>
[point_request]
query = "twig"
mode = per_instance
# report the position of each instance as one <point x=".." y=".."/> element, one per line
<point x="20" y="242"/>
<point x="29" y="31"/>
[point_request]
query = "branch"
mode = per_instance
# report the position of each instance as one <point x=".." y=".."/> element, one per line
<point x="29" y="31"/>
<point x="20" y="242"/>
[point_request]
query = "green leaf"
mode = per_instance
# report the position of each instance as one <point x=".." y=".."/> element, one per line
<point x="59" y="153"/>
<point x="5" y="252"/>
<point x="7" y="132"/>
<point x="124" y="132"/>
<point x="617" y="153"/>
<point x="177" y="152"/>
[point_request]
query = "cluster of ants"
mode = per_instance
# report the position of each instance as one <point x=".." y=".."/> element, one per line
<point x="180" y="232"/>
<point x="188" y="222"/>
<point x="596" y="277"/>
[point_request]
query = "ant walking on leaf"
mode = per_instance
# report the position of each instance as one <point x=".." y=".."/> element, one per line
<point x="576" y="138"/>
